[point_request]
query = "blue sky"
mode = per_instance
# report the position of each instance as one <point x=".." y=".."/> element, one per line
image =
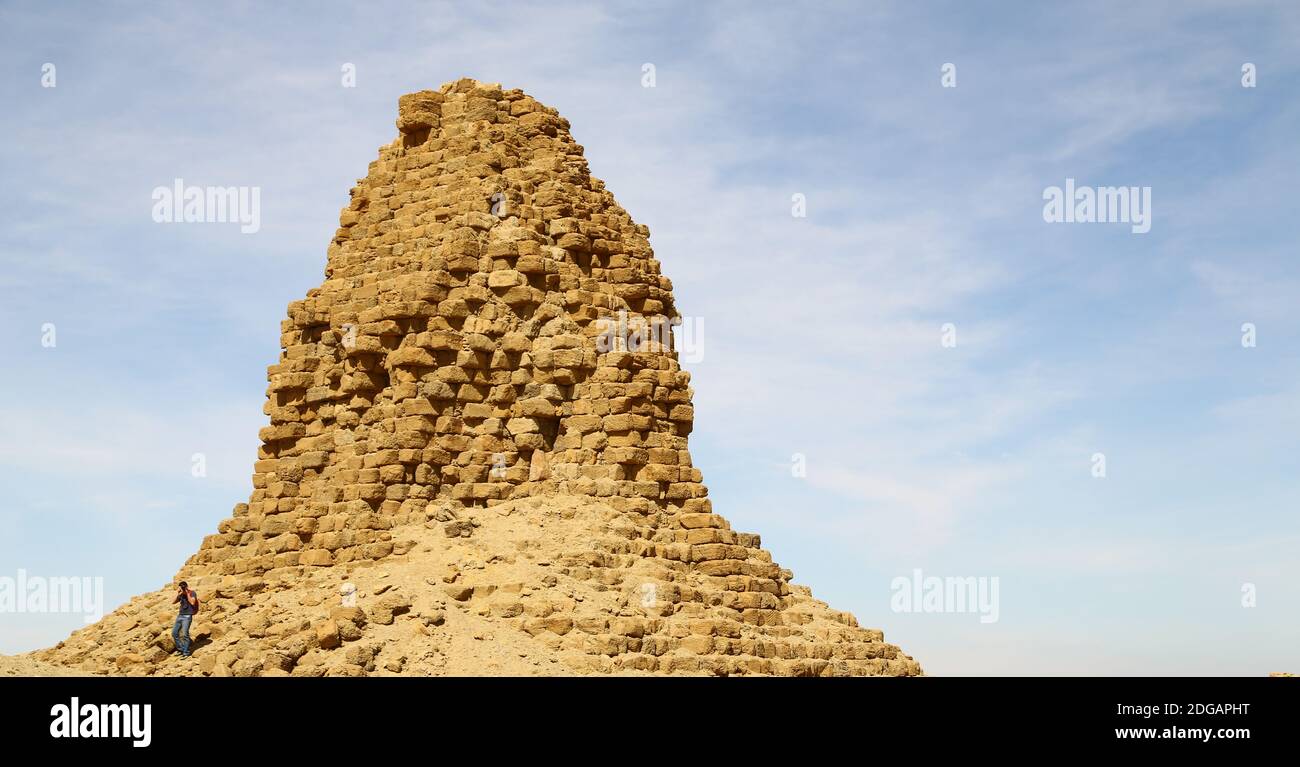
<point x="821" y="334"/>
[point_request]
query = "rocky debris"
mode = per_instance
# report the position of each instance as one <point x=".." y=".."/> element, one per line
<point x="478" y="424"/>
<point x="127" y="660"/>
<point x="433" y="617"/>
<point x="328" y="635"/>
<point x="385" y="610"/>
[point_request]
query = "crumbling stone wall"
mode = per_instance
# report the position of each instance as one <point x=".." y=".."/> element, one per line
<point x="467" y="352"/>
<point x="454" y="350"/>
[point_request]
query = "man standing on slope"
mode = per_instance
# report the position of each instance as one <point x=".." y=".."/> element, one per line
<point x="189" y="605"/>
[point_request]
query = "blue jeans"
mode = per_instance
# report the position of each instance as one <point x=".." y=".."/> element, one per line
<point x="181" y="633"/>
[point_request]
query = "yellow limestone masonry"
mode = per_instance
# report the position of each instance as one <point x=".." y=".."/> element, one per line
<point x="446" y="373"/>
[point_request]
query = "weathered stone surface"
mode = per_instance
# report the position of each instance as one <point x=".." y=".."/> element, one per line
<point x="458" y="392"/>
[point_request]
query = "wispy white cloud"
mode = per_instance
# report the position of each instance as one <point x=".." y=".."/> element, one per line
<point x="822" y="334"/>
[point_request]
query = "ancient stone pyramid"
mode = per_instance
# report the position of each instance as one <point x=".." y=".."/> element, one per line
<point x="461" y="429"/>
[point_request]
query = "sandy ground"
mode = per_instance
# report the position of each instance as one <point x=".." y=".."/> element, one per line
<point x="22" y="666"/>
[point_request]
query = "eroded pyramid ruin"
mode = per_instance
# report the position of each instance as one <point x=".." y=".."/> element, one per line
<point x="469" y="468"/>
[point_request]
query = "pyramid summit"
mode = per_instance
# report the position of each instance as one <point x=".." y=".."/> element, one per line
<point x="462" y="474"/>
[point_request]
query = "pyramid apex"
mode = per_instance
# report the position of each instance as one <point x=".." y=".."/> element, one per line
<point x="462" y="100"/>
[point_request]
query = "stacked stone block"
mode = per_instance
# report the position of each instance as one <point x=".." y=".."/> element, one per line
<point x="466" y="345"/>
<point x="475" y="341"/>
